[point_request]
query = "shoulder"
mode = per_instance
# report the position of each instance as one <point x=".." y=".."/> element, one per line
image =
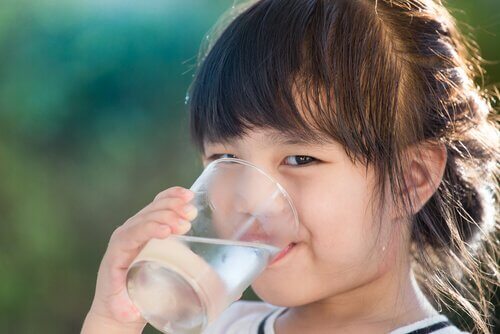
<point x="240" y="317"/>
<point x="438" y="324"/>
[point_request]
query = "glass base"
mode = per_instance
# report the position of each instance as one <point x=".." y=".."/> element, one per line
<point x="165" y="299"/>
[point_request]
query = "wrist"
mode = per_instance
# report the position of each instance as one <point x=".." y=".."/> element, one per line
<point x="97" y="324"/>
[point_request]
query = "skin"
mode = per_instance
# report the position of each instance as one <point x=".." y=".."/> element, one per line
<point x="342" y="275"/>
<point x="339" y="276"/>
<point x="112" y="310"/>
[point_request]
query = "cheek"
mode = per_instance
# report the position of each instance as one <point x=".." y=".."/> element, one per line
<point x="337" y="214"/>
<point x="339" y="250"/>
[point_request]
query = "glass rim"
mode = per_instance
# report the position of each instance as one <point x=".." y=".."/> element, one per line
<point x="278" y="185"/>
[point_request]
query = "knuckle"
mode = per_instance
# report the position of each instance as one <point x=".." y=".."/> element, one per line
<point x="117" y="233"/>
<point x="138" y="217"/>
<point x="159" y="195"/>
<point x="175" y="188"/>
<point x="130" y="221"/>
<point x="170" y="202"/>
<point x="112" y="258"/>
<point x="164" y="216"/>
<point x="169" y="191"/>
<point x="151" y="226"/>
<point x="168" y="215"/>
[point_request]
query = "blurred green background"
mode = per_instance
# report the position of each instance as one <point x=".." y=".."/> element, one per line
<point x="92" y="126"/>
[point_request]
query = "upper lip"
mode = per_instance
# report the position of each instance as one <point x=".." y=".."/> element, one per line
<point x="251" y="236"/>
<point x="254" y="236"/>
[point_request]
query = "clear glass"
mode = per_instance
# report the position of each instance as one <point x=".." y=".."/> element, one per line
<point x="182" y="283"/>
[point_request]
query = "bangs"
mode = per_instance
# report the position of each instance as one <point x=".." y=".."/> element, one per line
<point x="299" y="67"/>
<point x="246" y="79"/>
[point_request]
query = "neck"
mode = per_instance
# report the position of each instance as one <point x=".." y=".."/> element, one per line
<point x="389" y="301"/>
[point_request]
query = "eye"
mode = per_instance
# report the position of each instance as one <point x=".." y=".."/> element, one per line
<point x="299" y="160"/>
<point x="219" y="155"/>
<point x="292" y="160"/>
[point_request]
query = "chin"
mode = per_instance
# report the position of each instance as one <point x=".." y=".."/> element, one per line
<point x="281" y="294"/>
<point x="281" y="300"/>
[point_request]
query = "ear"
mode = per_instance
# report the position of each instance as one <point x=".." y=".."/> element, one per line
<point x="424" y="171"/>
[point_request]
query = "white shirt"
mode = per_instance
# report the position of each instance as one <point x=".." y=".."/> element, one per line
<point x="244" y="317"/>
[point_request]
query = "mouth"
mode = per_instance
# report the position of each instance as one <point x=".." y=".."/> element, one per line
<point x="283" y="253"/>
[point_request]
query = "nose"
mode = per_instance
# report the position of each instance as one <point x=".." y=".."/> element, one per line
<point x="256" y="194"/>
<point x="261" y="208"/>
<point x="251" y="206"/>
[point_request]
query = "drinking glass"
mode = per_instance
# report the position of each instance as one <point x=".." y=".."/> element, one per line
<point x="245" y="219"/>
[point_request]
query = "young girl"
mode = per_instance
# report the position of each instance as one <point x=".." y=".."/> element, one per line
<point x="367" y="113"/>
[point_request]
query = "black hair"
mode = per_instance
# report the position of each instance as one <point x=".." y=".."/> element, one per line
<point x="375" y="76"/>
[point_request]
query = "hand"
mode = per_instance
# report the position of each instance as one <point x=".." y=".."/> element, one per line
<point x="112" y="309"/>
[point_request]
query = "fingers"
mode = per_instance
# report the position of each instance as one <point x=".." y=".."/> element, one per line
<point x="135" y="235"/>
<point x="175" y="191"/>
<point x="168" y="213"/>
<point x="183" y="208"/>
<point x="126" y="241"/>
<point x="174" y="198"/>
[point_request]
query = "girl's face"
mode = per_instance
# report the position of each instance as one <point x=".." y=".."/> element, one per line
<point x="338" y="249"/>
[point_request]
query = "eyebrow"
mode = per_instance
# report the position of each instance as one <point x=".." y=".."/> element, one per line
<point x="280" y="138"/>
<point x="289" y="139"/>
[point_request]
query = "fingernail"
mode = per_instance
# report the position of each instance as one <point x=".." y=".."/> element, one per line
<point x="186" y="191"/>
<point x="182" y="222"/>
<point x="183" y="227"/>
<point x="190" y="211"/>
